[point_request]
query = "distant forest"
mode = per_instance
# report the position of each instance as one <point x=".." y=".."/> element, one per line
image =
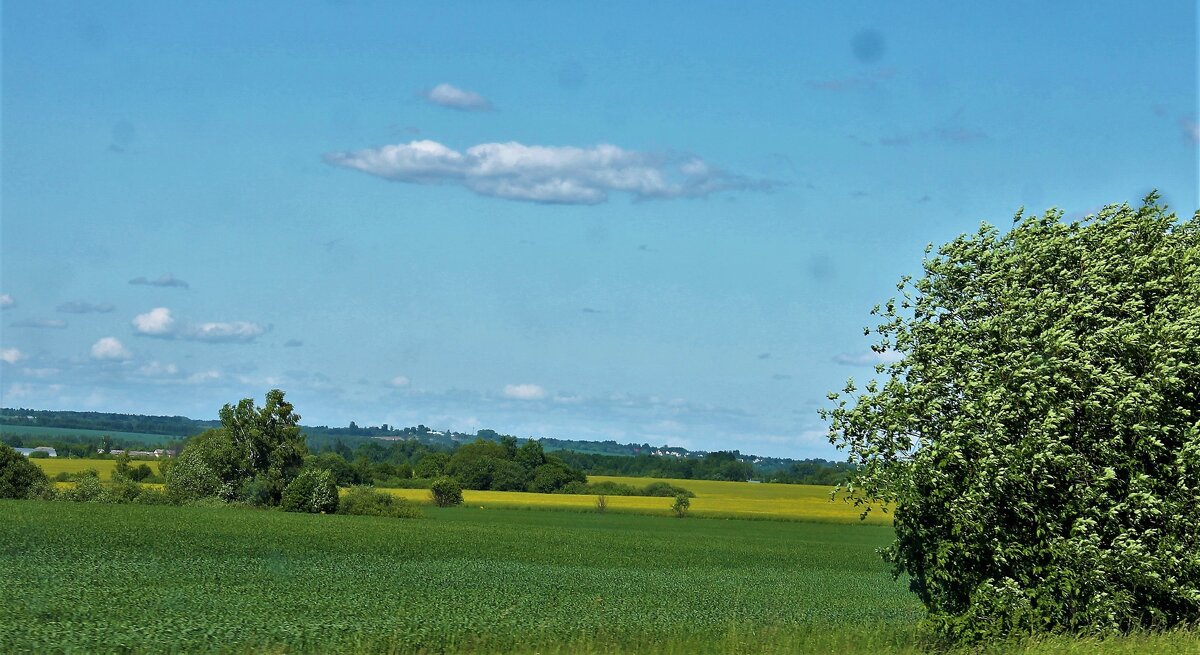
<point x="591" y="457"/>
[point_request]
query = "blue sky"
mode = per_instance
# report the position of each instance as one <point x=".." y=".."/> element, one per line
<point x="650" y="222"/>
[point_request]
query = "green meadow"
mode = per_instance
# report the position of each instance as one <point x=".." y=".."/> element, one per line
<point x="83" y="577"/>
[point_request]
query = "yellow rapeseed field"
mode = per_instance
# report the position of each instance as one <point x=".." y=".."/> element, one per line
<point x="713" y="499"/>
<point x="55" y="465"/>
<point x="796" y="502"/>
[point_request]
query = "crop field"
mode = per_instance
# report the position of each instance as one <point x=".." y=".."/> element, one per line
<point x="52" y="466"/>
<point x="34" y="431"/>
<point x="112" y="577"/>
<point x="80" y="577"/>
<point x="713" y="500"/>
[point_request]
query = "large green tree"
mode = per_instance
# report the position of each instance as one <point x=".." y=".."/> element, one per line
<point x="1037" y="430"/>
<point x="255" y="453"/>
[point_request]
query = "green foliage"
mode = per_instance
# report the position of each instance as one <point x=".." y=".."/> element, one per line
<point x="609" y="488"/>
<point x="367" y="501"/>
<point x="86" y="488"/>
<point x="681" y="505"/>
<point x="190" y="478"/>
<point x="601" y="503"/>
<point x="552" y="476"/>
<point x="446" y="492"/>
<point x="432" y="465"/>
<point x="1040" y="434"/>
<point x="262" y="444"/>
<point x="313" y="491"/>
<point x="19" y="477"/>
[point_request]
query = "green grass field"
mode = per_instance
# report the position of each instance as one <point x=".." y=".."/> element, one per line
<point x="130" y="578"/>
<point x="31" y="432"/>
<point x="102" y="577"/>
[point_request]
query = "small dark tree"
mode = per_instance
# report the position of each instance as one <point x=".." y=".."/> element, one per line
<point x="1037" y="430"/>
<point x="681" y="505"/>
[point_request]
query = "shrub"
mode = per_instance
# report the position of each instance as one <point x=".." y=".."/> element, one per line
<point x="368" y="501"/>
<point x="312" y="491"/>
<point x="663" y="490"/>
<point x="150" y="496"/>
<point x="19" y="477"/>
<point x="87" y="488"/>
<point x="681" y="505"/>
<point x="124" y="490"/>
<point x="446" y="492"/>
<point x="189" y="478"/>
<point x="601" y="503"/>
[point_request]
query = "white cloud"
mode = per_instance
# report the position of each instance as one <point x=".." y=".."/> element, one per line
<point x="157" y="369"/>
<point x="158" y="322"/>
<point x="6" y="301"/>
<point x="155" y="323"/>
<point x="235" y="331"/>
<point x="524" y="391"/>
<point x="400" y="381"/>
<point x="40" y="372"/>
<point x="203" y="376"/>
<point x="868" y="358"/>
<point x="546" y="174"/>
<point x="450" y="96"/>
<point x="11" y="355"/>
<point x="110" y="348"/>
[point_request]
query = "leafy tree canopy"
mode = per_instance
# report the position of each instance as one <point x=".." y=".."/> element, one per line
<point x="1039" y="429"/>
<point x="259" y="444"/>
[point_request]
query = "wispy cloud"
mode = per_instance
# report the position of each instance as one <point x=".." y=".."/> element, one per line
<point x="855" y="82"/>
<point x="11" y="355"/>
<point x="83" y="307"/>
<point x="110" y="348"/>
<point x="870" y="358"/>
<point x="524" y="391"/>
<point x="452" y="97"/>
<point x="6" y="301"/>
<point x="399" y="381"/>
<point x="547" y="174"/>
<point x="42" y="323"/>
<point x="1191" y="130"/>
<point x="164" y="280"/>
<point x="159" y="323"/>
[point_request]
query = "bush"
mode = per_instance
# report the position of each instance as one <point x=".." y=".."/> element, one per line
<point x="189" y="478"/>
<point x="446" y="492"/>
<point x="150" y="496"/>
<point x="86" y="489"/>
<point x="681" y="505"/>
<point x="367" y="501"/>
<point x="663" y="490"/>
<point x="312" y="491"/>
<point x="1036" y="431"/>
<point x="19" y="477"/>
<point x="601" y="503"/>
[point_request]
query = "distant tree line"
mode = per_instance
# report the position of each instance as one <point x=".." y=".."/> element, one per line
<point x="84" y="446"/>
<point x="387" y="449"/>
